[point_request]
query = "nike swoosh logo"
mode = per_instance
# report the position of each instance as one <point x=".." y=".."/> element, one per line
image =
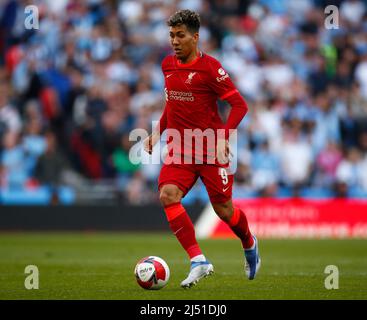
<point x="225" y="189"/>
<point x="168" y="75"/>
<point x="178" y="230"/>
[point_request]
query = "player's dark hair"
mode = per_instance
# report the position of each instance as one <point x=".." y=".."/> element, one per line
<point x="187" y="17"/>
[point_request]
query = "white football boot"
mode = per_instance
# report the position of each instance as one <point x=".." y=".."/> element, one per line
<point x="198" y="271"/>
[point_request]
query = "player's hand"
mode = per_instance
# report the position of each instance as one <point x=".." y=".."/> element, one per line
<point x="150" y="142"/>
<point x="223" y="151"/>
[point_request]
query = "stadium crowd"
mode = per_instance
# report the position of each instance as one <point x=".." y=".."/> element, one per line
<point x="72" y="91"/>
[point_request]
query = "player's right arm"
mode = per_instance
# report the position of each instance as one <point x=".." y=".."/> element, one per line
<point x="152" y="139"/>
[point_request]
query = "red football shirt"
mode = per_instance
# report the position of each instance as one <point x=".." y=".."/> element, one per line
<point x="192" y="91"/>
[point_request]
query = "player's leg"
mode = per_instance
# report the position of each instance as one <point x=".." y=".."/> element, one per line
<point x="237" y="221"/>
<point x="178" y="219"/>
<point x="174" y="183"/>
<point x="219" y="186"/>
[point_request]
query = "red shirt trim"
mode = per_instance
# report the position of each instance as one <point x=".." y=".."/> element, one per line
<point x="182" y="65"/>
<point x="228" y="94"/>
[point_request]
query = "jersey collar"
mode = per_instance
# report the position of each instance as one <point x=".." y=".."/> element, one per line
<point x="183" y="65"/>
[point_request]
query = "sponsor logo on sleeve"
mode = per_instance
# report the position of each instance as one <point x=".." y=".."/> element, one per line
<point x="223" y="75"/>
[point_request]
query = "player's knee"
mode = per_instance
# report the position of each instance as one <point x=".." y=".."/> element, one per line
<point x="224" y="211"/>
<point x="169" y="195"/>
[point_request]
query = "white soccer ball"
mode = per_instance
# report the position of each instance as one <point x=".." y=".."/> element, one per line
<point x="152" y="273"/>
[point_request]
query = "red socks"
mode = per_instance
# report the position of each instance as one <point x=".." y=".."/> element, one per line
<point x="182" y="227"/>
<point x="239" y="226"/>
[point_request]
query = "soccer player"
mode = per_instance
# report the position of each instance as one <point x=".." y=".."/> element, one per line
<point x="193" y="83"/>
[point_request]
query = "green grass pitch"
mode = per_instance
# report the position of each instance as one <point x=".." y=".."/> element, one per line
<point x="100" y="266"/>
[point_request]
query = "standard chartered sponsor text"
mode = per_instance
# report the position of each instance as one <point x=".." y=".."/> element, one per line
<point x="181" y="95"/>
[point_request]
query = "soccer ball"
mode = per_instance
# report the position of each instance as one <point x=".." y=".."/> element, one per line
<point x="152" y="273"/>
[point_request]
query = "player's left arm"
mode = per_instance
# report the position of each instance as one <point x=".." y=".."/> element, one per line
<point x="238" y="111"/>
<point x="223" y="86"/>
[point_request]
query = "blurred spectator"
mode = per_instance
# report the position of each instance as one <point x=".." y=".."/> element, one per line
<point x="13" y="162"/>
<point x="361" y="75"/>
<point x="296" y="158"/>
<point x="242" y="175"/>
<point x="34" y="144"/>
<point x="265" y="169"/>
<point x="327" y="163"/>
<point x="121" y="162"/>
<point x="327" y="123"/>
<point x="9" y="116"/>
<point x="353" y="11"/>
<point x="350" y="169"/>
<point x="51" y="165"/>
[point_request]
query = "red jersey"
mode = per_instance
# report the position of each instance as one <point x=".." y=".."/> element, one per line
<point x="192" y="91"/>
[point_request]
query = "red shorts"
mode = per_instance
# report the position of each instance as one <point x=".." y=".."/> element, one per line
<point x="218" y="182"/>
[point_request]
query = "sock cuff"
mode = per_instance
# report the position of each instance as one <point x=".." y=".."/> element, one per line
<point x="174" y="210"/>
<point x="235" y="217"/>
<point x="194" y="251"/>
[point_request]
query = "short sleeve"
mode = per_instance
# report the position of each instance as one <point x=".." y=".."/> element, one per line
<point x="220" y="81"/>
